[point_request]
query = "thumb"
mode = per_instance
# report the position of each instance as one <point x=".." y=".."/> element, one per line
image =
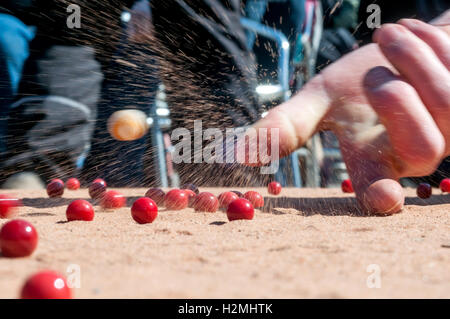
<point x="298" y="119"/>
<point x="374" y="177"/>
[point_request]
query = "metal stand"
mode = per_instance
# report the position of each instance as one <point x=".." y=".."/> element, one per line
<point x="283" y="74"/>
<point x="310" y="41"/>
<point x="155" y="123"/>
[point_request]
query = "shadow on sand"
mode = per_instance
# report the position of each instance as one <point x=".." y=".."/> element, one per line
<point x="336" y="206"/>
<point x="56" y="202"/>
<point x="328" y="206"/>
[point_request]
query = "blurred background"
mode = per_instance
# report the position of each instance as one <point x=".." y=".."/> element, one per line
<point x="225" y="62"/>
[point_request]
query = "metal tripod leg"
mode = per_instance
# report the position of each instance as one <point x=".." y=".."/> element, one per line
<point x="158" y="142"/>
<point x="283" y="75"/>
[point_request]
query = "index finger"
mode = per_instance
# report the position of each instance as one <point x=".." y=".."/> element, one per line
<point x="298" y="119"/>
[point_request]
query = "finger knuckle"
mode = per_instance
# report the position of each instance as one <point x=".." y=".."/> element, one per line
<point x="390" y="33"/>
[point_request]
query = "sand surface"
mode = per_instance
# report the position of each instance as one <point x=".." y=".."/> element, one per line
<point x="306" y="244"/>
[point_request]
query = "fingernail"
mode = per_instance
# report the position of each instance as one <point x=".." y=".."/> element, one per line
<point x="410" y="23"/>
<point x="378" y="76"/>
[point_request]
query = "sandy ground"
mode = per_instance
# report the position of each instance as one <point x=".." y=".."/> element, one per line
<point x="306" y="243"/>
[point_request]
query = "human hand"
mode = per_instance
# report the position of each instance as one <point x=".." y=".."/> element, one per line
<point x="389" y="105"/>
